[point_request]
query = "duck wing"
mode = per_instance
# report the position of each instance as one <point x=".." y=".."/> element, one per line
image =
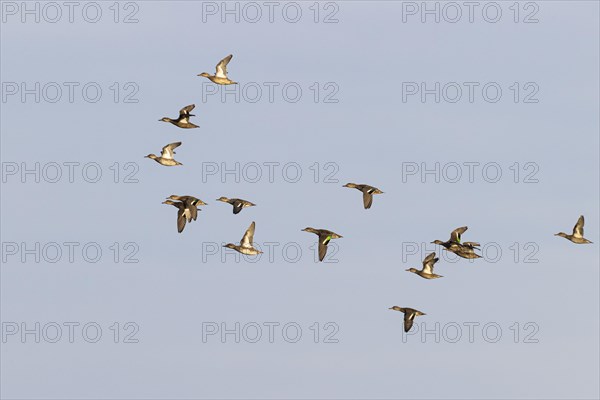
<point x="193" y="210"/>
<point x="322" y="250"/>
<point x="222" y="67"/>
<point x="180" y="219"/>
<point x="428" y="263"/>
<point x="324" y="239"/>
<point x="237" y="206"/>
<point x="457" y="233"/>
<point x="185" y="111"/>
<point x="367" y="199"/>
<point x="578" y="228"/>
<point x="184" y="114"/>
<point x="248" y="238"/>
<point x="409" y="317"/>
<point x="429" y="257"/>
<point x="168" y="150"/>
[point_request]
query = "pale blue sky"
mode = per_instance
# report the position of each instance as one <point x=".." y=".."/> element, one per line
<point x="368" y="134"/>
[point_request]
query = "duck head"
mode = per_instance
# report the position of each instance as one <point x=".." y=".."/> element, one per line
<point x="311" y="230"/>
<point x="205" y="74"/>
<point x="395" y="308"/>
<point x="165" y="119"/>
<point x="413" y="270"/>
<point x="152" y="156"/>
<point x="561" y="234"/>
<point x="438" y="242"/>
<point x="230" y="246"/>
<point x="350" y="185"/>
<point x="223" y="199"/>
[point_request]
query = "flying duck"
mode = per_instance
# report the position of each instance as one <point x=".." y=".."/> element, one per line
<point x="325" y="237"/>
<point x="367" y="191"/>
<point x="191" y="203"/>
<point x="577" y="236"/>
<point x="237" y="204"/>
<point x="246" y="246"/>
<point x="427" y="271"/>
<point x="183" y="121"/>
<point x="220" y="76"/>
<point x="454" y="245"/>
<point x="166" y="156"/>
<point x="409" y="316"/>
<point x="184" y="213"/>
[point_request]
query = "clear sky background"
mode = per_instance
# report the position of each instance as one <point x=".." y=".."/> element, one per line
<point x="369" y="133"/>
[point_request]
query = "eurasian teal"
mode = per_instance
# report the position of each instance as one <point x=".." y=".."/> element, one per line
<point x="220" y="76"/>
<point x="325" y="237"/>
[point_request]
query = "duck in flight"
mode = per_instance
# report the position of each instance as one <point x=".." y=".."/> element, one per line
<point x="220" y="76"/>
<point x="183" y="121"/>
<point x="191" y="205"/>
<point x="166" y="156"/>
<point x="454" y="244"/>
<point x="246" y="246"/>
<point x="325" y="237"/>
<point x="577" y="235"/>
<point x="409" y="316"/>
<point x="427" y="271"/>
<point x="238" y="204"/>
<point x="367" y="191"/>
<point x="184" y="213"/>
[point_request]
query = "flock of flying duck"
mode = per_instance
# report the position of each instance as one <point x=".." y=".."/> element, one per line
<point x="187" y="208"/>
